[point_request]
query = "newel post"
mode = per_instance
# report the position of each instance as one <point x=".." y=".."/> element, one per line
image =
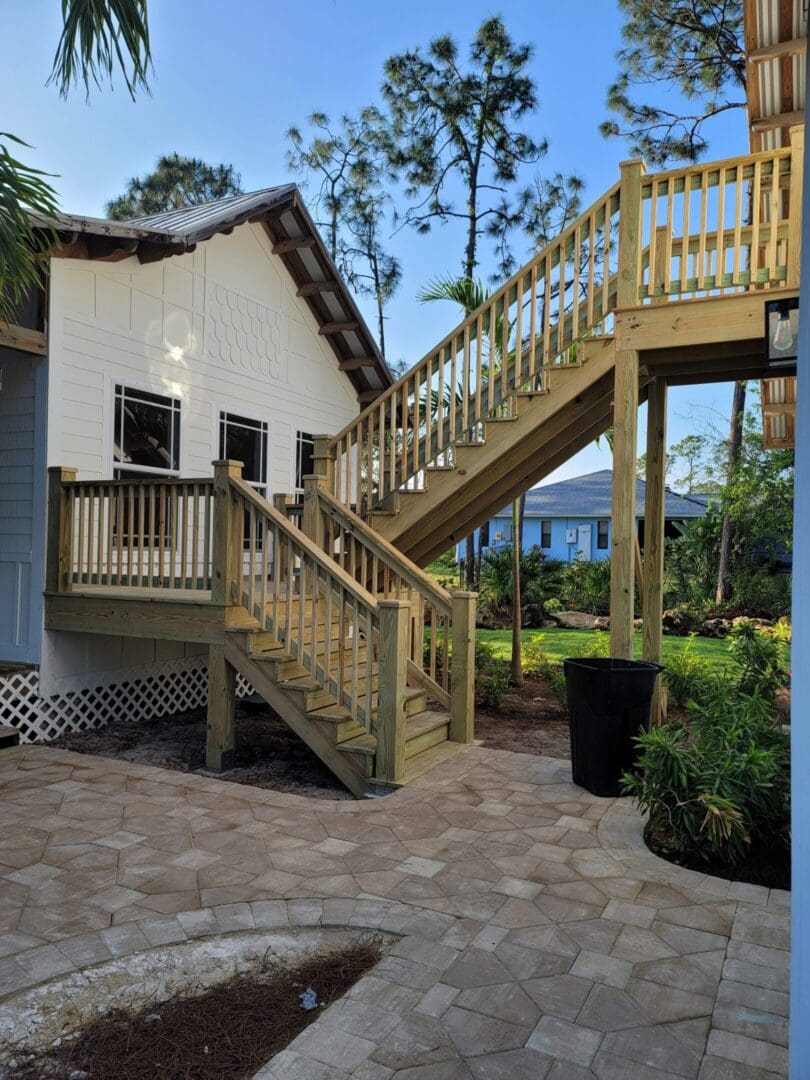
<point x="393" y="674"/>
<point x="323" y="462"/>
<point x="60" y="531"/>
<point x="228" y="536"/>
<point x="312" y="522"/>
<point x="462" y="683"/>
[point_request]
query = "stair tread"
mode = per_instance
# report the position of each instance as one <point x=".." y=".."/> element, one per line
<point x="360" y="744"/>
<point x="428" y="759"/>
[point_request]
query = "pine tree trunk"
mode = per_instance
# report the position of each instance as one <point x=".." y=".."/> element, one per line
<point x="517" y="660"/>
<point x="734" y="453"/>
<point x="469" y="562"/>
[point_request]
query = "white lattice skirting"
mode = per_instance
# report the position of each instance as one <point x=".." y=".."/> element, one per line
<point x="146" y="693"/>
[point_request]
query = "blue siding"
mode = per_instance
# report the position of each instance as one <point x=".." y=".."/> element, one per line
<point x="560" y="547"/>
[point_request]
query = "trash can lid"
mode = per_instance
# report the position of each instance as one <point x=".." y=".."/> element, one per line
<point x="611" y="663"/>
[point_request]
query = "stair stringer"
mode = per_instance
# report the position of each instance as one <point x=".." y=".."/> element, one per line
<point x="290" y="710"/>
<point x="549" y="426"/>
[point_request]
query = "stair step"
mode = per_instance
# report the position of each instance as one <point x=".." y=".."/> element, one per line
<point x="440" y="468"/>
<point x="315" y="697"/>
<point x="429" y="759"/>
<point x="340" y="720"/>
<point x="9" y="736"/>
<point x="500" y="419"/>
<point x="415" y="701"/>
<point x="427" y="730"/>
<point x="362" y="744"/>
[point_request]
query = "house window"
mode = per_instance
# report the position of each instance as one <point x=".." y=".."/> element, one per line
<point x="245" y="440"/>
<point x="602" y="534"/>
<point x="146" y="444"/>
<point x="146" y="438"/>
<point x="304" y="459"/>
<point x="545" y="534"/>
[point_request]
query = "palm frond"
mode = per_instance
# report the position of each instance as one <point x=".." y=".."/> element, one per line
<point x="98" y="37"/>
<point x="468" y="293"/>
<point x="23" y="248"/>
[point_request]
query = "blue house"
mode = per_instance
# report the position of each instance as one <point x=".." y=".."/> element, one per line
<point x="571" y="519"/>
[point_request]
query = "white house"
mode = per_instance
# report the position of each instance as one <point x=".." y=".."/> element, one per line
<point x="158" y="345"/>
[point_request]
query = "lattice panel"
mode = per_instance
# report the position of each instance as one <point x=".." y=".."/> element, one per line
<point x="180" y="686"/>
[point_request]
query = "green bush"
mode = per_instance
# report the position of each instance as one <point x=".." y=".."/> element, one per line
<point x="686" y="674"/>
<point x="760" y="659"/>
<point x="598" y="646"/>
<point x="716" y="783"/>
<point x="492" y="676"/>
<point x="540" y="578"/>
<point x="553" y="604"/>
<point x="586" y="586"/>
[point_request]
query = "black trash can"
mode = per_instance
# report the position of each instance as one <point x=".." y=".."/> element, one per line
<point x="608" y="706"/>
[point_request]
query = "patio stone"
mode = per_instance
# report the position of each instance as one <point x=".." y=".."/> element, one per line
<point x="531" y="933"/>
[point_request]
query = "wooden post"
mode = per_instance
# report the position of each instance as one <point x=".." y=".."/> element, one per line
<point x="462" y="684"/>
<point x="393" y="672"/>
<point x="625" y="418"/>
<point x="795" y="206"/>
<point x="312" y="523"/>
<point x="59" y="531"/>
<point x="228" y="537"/>
<point x="652" y="596"/>
<point x="323" y="463"/>
<point x="221" y="709"/>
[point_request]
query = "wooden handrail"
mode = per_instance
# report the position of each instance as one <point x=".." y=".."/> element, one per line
<point x="322" y="560"/>
<point x="410" y="573"/>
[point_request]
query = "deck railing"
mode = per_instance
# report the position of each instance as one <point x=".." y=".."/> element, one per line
<point x="150" y="533"/>
<point x="713" y="229"/>
<point x="440" y="642"/>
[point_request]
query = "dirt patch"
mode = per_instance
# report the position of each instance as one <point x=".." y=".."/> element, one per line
<point x="767" y="865"/>
<point x="267" y="753"/>
<point x="226" y="1033"/>
<point x="529" y="721"/>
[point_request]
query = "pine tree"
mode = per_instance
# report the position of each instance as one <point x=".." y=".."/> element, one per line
<point x="175" y="182"/>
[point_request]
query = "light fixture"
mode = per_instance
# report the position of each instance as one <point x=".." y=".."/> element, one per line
<point x="781" y="332"/>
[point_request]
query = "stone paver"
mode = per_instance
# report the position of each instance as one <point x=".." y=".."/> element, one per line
<point x="531" y="934"/>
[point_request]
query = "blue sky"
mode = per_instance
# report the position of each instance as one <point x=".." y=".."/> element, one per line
<point x="230" y="78"/>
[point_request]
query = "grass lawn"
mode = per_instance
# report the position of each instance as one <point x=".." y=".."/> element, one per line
<point x="559" y="643"/>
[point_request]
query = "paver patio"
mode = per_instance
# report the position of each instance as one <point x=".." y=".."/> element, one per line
<point x="537" y="937"/>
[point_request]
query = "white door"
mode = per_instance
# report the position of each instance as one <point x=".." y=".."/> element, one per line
<point x="584" y="541"/>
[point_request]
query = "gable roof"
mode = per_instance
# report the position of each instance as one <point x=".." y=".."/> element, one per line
<point x="294" y="238"/>
<point x="591" y="496"/>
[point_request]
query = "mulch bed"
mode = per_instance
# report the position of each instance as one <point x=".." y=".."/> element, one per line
<point x="529" y="721"/>
<point x="766" y="865"/>
<point x="268" y="754"/>
<point x="225" y="1033"/>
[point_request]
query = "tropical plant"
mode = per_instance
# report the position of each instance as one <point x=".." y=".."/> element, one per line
<point x="491" y="676"/>
<point x="175" y="182"/>
<point x="586" y="585"/>
<point x="717" y="782"/>
<point x="686" y="674"/>
<point x="540" y="576"/>
<point x="99" y="37"/>
<point x="760" y="658"/>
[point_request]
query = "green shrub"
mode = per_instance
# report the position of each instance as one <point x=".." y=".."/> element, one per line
<point x="598" y="646"/>
<point x="553" y="604"/>
<point x="718" y="782"/>
<point x="686" y="674"/>
<point x="760" y="659"/>
<point x="492" y="676"/>
<point x="540" y="578"/>
<point x="586" y="586"/>
<point x="537" y="664"/>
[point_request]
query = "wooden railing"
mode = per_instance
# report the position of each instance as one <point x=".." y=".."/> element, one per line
<point x="440" y="643"/>
<point x="691" y="232"/>
<point x="149" y="533"/>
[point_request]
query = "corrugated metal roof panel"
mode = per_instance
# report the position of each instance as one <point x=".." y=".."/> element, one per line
<point x="190" y="219"/>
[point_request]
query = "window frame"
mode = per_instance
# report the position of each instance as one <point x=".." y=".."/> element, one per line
<point x="599" y="536"/>
<point x="545" y="533"/>
<point x="225" y="418"/>
<point x="120" y="392"/>
<point x="301" y="437"/>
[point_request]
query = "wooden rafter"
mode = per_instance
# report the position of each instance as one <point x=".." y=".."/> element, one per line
<point x="20" y="337"/>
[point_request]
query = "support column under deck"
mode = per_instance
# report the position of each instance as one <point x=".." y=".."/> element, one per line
<point x="652" y="596"/>
<point x="219" y="746"/>
<point x="622" y="559"/>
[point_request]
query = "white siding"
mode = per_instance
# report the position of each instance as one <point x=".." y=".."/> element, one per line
<point x="220" y="328"/>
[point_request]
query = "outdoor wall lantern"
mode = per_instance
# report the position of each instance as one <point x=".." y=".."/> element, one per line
<point x="781" y="332"/>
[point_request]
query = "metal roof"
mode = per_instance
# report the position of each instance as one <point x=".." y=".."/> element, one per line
<point x="776" y="83"/>
<point x="294" y="237"/>
<point x="591" y="496"/>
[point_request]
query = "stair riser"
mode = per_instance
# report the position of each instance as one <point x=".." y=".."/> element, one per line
<point x="416" y="704"/>
<point x="426" y="740"/>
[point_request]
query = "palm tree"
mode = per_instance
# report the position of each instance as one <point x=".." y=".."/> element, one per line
<point x="99" y="38"/>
